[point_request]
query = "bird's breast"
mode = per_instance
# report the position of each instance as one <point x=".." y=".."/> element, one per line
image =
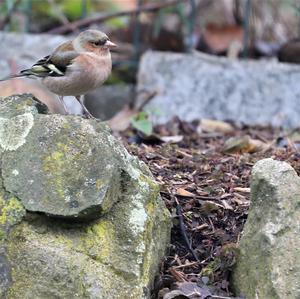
<point x="87" y="72"/>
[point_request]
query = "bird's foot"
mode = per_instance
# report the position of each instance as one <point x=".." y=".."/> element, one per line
<point x="88" y="115"/>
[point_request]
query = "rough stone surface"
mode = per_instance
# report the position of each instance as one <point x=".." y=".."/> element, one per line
<point x="69" y="175"/>
<point x="47" y="157"/>
<point x="268" y="262"/>
<point x="196" y="85"/>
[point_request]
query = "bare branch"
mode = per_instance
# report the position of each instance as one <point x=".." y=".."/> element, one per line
<point x="88" y="21"/>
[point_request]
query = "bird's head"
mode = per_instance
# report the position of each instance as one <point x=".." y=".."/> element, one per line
<point x="93" y="41"/>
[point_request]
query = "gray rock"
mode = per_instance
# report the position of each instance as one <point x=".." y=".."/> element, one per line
<point x="106" y="101"/>
<point x="69" y="175"/>
<point x="48" y="157"/>
<point x="25" y="49"/>
<point x="268" y="262"/>
<point x="196" y="85"/>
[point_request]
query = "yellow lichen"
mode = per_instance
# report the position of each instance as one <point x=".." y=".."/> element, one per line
<point x="10" y="211"/>
<point x="55" y="164"/>
<point x="98" y="184"/>
<point x="99" y="240"/>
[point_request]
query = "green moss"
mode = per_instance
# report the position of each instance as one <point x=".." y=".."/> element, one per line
<point x="211" y="268"/>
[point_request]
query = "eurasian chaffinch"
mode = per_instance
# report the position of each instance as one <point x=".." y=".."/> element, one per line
<point x="75" y="67"/>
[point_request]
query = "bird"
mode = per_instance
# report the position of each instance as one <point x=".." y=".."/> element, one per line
<point x="75" y="67"/>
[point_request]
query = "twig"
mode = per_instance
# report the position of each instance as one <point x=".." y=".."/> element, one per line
<point x="220" y="297"/>
<point x="147" y="97"/>
<point x="88" y="21"/>
<point x="186" y="265"/>
<point x="183" y="231"/>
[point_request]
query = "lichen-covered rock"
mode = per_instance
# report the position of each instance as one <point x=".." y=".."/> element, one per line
<point x="268" y="262"/>
<point x="62" y="166"/>
<point x="74" y="168"/>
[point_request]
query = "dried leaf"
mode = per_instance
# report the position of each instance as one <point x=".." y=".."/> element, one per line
<point x="210" y="125"/>
<point x="241" y="202"/>
<point x="209" y="207"/>
<point x="183" y="192"/>
<point x="226" y="205"/>
<point x="176" y="294"/>
<point x="241" y="189"/>
<point x="171" y="139"/>
<point x="121" y="121"/>
<point x="219" y="38"/>
<point x="244" y="144"/>
<point x="189" y="290"/>
<point x="179" y="276"/>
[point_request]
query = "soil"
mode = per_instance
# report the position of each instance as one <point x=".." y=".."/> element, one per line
<point x="207" y="193"/>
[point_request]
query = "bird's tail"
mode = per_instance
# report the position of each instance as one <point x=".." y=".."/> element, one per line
<point x="13" y="77"/>
<point x="35" y="71"/>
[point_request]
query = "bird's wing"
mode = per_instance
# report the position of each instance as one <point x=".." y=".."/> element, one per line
<point x="53" y="65"/>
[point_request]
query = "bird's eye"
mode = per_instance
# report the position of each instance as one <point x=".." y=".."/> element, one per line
<point x="99" y="42"/>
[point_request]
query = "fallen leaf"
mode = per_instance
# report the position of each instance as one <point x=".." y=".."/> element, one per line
<point x="241" y="189"/>
<point x="210" y="125"/>
<point x="209" y="206"/>
<point x="241" y="202"/>
<point x="142" y="123"/>
<point x="121" y="121"/>
<point x="244" y="144"/>
<point x="219" y="38"/>
<point x="176" y="294"/>
<point x="163" y="292"/>
<point x="189" y="290"/>
<point x="179" y="276"/>
<point x="171" y="139"/>
<point x="226" y="205"/>
<point x="183" y="192"/>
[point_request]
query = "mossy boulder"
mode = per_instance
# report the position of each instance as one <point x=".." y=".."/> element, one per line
<point x="102" y="228"/>
<point x="268" y="262"/>
<point x="62" y="166"/>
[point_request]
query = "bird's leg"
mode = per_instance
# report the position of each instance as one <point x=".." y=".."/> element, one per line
<point x="80" y="99"/>
<point x="61" y="99"/>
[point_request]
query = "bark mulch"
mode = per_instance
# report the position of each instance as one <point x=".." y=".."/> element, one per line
<point x="208" y="195"/>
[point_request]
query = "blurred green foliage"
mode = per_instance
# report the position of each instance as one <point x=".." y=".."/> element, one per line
<point x="142" y="123"/>
<point x="41" y="15"/>
<point x="71" y="9"/>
